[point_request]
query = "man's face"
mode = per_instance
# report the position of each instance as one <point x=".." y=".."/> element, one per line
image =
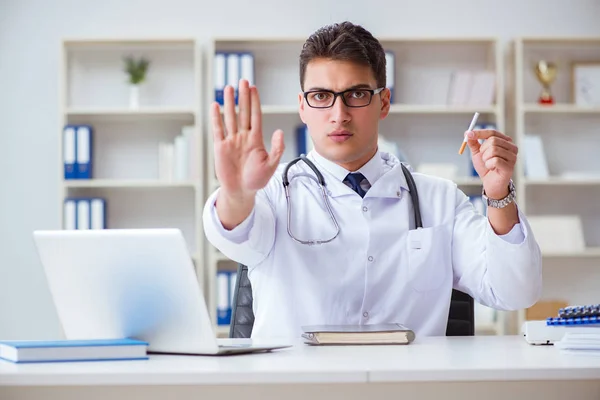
<point x="342" y="134"/>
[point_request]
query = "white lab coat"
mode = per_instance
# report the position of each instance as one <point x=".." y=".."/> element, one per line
<point x="376" y="270"/>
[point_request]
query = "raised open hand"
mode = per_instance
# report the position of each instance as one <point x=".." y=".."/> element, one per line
<point x="243" y="165"/>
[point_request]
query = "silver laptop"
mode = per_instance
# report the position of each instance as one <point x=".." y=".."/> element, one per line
<point x="137" y="283"/>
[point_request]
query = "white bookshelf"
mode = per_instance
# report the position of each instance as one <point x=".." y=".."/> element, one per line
<point x="421" y="121"/>
<point x="94" y="91"/>
<point x="569" y="136"/>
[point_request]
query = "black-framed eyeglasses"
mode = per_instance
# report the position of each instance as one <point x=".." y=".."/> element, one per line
<point x="351" y="97"/>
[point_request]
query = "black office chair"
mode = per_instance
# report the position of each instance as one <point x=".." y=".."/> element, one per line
<point x="461" y="318"/>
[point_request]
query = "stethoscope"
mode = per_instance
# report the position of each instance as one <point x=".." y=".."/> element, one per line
<point x="318" y="177"/>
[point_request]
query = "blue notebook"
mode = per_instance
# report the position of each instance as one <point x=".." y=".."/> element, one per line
<point x="29" y="351"/>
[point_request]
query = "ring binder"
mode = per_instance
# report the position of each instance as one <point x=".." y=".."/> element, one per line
<point x="573" y="321"/>
<point x="591" y="310"/>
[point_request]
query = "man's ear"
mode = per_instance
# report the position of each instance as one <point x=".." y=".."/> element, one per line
<point x="385" y="103"/>
<point x="301" y="106"/>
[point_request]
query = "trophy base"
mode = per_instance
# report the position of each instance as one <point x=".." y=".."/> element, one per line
<point x="546" y="100"/>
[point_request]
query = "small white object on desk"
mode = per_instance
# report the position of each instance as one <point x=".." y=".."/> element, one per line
<point x="539" y="333"/>
<point x="587" y="343"/>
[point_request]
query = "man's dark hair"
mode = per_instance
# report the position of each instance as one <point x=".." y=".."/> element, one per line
<point x="348" y="42"/>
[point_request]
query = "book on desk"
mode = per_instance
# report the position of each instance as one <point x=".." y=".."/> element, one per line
<point x="357" y="334"/>
<point x="31" y="351"/>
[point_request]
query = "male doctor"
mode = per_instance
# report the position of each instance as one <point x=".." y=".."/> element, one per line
<point x="378" y="269"/>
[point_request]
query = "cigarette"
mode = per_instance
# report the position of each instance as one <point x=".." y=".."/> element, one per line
<point x="471" y="126"/>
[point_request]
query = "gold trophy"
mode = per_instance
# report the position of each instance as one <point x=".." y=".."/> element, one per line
<point x="546" y="73"/>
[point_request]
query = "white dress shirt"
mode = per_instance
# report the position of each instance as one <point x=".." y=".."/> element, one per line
<point x="379" y="269"/>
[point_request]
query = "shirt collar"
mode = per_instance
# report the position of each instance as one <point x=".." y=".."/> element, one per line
<point x="372" y="170"/>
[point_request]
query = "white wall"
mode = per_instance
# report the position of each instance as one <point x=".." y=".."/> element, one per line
<point x="30" y="31"/>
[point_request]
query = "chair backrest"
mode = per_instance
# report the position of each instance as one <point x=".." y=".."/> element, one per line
<point x="461" y="317"/>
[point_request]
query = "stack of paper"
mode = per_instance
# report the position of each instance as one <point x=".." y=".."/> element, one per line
<point x="580" y="343"/>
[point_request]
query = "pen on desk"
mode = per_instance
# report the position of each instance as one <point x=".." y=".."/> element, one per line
<point x="464" y="143"/>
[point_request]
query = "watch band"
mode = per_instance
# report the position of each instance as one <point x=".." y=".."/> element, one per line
<point x="501" y="203"/>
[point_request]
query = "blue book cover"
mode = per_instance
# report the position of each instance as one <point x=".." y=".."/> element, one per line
<point x="37" y="351"/>
<point x="30" y="344"/>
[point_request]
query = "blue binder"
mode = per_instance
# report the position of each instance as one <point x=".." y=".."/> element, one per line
<point x="223" y="298"/>
<point x="70" y="151"/>
<point x="84" y="152"/>
<point x="553" y="321"/>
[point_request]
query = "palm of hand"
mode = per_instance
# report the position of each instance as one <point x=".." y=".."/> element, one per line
<point x="242" y="164"/>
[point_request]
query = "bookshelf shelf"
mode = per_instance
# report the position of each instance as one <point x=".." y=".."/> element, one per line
<point x="558" y="181"/>
<point x="127" y="163"/>
<point x="115" y="183"/>
<point x="440" y="109"/>
<point x="560" y="109"/>
<point x="100" y="113"/>
<point x="559" y="172"/>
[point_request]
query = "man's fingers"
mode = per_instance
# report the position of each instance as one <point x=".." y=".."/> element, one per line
<point x="217" y="123"/>
<point x="255" y="113"/>
<point x="244" y="106"/>
<point x="499" y="152"/>
<point x="473" y="143"/>
<point x="496" y="141"/>
<point x="230" y="119"/>
<point x="497" y="163"/>
<point x="488" y="133"/>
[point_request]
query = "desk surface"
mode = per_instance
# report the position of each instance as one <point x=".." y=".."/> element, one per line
<point x="439" y="359"/>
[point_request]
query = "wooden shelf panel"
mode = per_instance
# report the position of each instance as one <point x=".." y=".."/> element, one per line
<point x="116" y="183"/>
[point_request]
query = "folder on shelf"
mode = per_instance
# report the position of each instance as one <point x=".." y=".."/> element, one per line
<point x="358" y="334"/>
<point x="70" y="214"/>
<point x="97" y="213"/>
<point x="223" y="298"/>
<point x="304" y="143"/>
<point x="233" y="73"/>
<point x="219" y="76"/>
<point x="83" y="214"/>
<point x="230" y="67"/>
<point x="247" y="67"/>
<point x="536" y="165"/>
<point x="70" y="152"/>
<point x="84" y="152"/>
<point x="390" y="61"/>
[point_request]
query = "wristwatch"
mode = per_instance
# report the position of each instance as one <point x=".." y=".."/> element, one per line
<point x="501" y="203"/>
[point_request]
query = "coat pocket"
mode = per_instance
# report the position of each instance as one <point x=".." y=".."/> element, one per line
<point x="429" y="257"/>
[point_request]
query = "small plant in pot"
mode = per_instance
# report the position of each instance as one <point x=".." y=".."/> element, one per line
<point x="137" y="70"/>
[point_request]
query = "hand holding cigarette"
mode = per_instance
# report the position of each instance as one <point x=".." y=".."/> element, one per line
<point x="494" y="159"/>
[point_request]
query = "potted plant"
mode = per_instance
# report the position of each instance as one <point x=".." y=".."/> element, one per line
<point x="136" y="70"/>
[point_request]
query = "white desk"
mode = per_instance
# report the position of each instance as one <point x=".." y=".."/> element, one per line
<point x="447" y="368"/>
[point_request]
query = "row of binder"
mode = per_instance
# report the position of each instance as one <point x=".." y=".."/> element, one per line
<point x="84" y="213"/>
<point x="77" y="151"/>
<point x="230" y="67"/>
<point x="225" y="290"/>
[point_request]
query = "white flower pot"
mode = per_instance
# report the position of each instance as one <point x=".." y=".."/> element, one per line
<point x="134" y="96"/>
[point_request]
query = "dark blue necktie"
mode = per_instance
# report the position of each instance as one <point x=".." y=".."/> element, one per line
<point x="355" y="179"/>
